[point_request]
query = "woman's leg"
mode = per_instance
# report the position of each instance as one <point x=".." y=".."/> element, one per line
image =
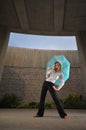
<point x="57" y="102"/>
<point x="42" y="100"/>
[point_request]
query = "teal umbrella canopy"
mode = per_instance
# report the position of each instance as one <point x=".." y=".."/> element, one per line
<point x="65" y="65"/>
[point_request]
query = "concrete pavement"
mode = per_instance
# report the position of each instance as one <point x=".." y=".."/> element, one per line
<point x="22" y="119"/>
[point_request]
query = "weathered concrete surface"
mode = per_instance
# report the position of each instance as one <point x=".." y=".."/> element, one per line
<point x="46" y="17"/>
<point x="4" y="37"/>
<point x="22" y="119"/>
<point x="25" y="70"/>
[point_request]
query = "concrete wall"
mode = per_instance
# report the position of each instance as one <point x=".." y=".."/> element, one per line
<point x="24" y="73"/>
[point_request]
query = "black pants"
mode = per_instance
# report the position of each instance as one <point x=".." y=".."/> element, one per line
<point x="48" y="86"/>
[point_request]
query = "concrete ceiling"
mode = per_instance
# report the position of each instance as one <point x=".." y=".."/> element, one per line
<point x="46" y="17"/>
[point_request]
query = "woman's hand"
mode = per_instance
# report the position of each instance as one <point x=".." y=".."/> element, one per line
<point x="49" y="68"/>
<point x="55" y="88"/>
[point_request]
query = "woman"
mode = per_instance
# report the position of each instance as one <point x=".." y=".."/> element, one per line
<point x="49" y="84"/>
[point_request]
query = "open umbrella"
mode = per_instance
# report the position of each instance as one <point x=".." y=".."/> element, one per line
<point x="64" y="63"/>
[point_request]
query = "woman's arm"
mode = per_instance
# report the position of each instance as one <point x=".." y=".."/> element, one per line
<point x="55" y="88"/>
<point x="48" y="72"/>
<point x="61" y="77"/>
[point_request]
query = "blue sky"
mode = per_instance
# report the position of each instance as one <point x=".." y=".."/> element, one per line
<point x="43" y="42"/>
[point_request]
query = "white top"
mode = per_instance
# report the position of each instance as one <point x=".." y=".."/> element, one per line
<point x="52" y="76"/>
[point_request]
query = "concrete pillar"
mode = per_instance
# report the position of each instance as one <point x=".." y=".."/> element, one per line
<point x="81" y="44"/>
<point x="4" y="37"/>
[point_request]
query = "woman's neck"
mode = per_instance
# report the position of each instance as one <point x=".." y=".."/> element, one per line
<point x="56" y="70"/>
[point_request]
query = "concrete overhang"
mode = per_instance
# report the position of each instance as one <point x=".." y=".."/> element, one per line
<point x="45" y="17"/>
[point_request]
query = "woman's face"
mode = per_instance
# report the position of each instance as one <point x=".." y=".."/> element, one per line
<point x="57" y="67"/>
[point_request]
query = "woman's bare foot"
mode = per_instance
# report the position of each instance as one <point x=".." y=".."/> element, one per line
<point x="37" y="116"/>
<point x="67" y="117"/>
